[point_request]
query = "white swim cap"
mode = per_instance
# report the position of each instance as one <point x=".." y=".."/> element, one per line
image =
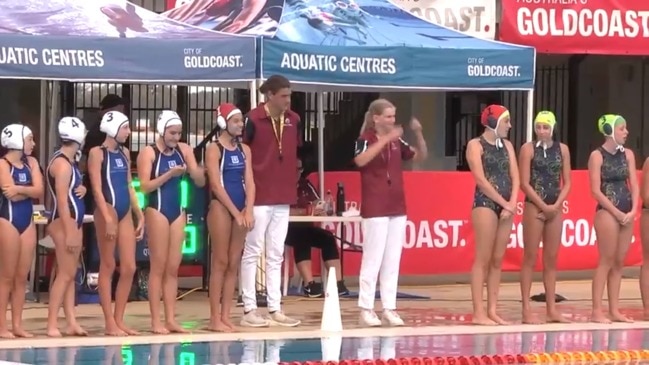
<point x="72" y="129"/>
<point x="111" y="122"/>
<point x="13" y="136"/>
<point x="167" y="119"/>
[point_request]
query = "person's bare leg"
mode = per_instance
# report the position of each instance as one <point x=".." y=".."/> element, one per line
<point x="485" y="223"/>
<point x="532" y="232"/>
<point x="551" y="245"/>
<point x="607" y="230"/>
<point x="495" y="269"/>
<point x="229" y="283"/>
<point x="615" y="275"/>
<point x="126" y="250"/>
<point x="158" y="238"/>
<point x="27" y="247"/>
<point x="170" y="282"/>
<point x="220" y="228"/>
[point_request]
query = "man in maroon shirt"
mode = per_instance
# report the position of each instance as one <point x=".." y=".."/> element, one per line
<point x="273" y="133"/>
<point x="379" y="154"/>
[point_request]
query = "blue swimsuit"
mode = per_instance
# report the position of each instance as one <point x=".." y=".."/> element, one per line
<point x="19" y="213"/>
<point x="114" y="181"/>
<point x="233" y="169"/>
<point x="166" y="199"/>
<point x="76" y="205"/>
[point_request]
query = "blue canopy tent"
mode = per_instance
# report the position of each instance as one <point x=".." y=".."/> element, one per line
<point x="114" y="40"/>
<point x="373" y="44"/>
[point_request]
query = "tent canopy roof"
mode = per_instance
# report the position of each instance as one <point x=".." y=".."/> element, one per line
<point x="114" y="40"/>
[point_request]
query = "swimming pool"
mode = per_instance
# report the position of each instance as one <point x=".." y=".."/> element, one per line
<point x="337" y="348"/>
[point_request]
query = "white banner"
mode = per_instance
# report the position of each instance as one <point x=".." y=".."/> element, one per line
<point x="476" y="18"/>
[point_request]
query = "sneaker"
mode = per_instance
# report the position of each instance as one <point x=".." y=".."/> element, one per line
<point x="254" y="319"/>
<point x="281" y="319"/>
<point x="313" y="290"/>
<point x="369" y="318"/>
<point x="391" y="318"/>
<point x="342" y="289"/>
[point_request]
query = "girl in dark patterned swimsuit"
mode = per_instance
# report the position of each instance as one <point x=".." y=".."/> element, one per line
<point x="543" y="164"/>
<point x="614" y="186"/>
<point x="644" y="235"/>
<point x="492" y="161"/>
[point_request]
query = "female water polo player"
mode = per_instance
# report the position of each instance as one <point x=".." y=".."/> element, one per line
<point x="614" y="185"/>
<point x="230" y="214"/>
<point x="379" y="154"/>
<point x="115" y="200"/>
<point x="492" y="161"/>
<point x="160" y="167"/>
<point x="21" y="182"/>
<point x="644" y="234"/>
<point x="64" y="182"/>
<point x="544" y="166"/>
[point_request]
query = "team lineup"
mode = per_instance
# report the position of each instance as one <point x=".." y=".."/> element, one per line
<point x="244" y="220"/>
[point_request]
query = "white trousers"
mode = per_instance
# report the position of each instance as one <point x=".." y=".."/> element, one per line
<point x="382" y="245"/>
<point x="271" y="225"/>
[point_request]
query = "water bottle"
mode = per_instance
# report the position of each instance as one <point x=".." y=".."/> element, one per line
<point x="340" y="200"/>
<point x="329" y="203"/>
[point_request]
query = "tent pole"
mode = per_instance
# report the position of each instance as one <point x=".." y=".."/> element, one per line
<point x="530" y="116"/>
<point x="253" y="94"/>
<point x="321" y="126"/>
<point x="42" y="144"/>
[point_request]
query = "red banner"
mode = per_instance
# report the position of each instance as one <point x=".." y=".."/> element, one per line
<point x="439" y="238"/>
<point x="578" y="26"/>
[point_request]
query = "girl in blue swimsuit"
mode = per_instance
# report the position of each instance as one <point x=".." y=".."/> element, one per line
<point x="21" y="182"/>
<point x="64" y="182"/>
<point x="230" y="212"/>
<point x="115" y="200"/>
<point x="160" y="168"/>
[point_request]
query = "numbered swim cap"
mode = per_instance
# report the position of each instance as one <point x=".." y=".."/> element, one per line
<point x="111" y="122"/>
<point x="167" y="119"/>
<point x="72" y="129"/>
<point x="606" y="123"/>
<point x="13" y="136"/>
<point x="224" y="112"/>
<point x="493" y="115"/>
<point x="491" y="118"/>
<point x="546" y="117"/>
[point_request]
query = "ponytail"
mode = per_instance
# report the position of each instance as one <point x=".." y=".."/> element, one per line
<point x="368" y="123"/>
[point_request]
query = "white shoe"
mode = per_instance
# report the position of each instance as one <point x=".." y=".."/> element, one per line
<point x="254" y="319"/>
<point x="369" y="318"/>
<point x="281" y="319"/>
<point x="391" y="318"/>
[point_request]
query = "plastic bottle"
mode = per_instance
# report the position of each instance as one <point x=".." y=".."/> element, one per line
<point x="340" y="200"/>
<point x="329" y="203"/>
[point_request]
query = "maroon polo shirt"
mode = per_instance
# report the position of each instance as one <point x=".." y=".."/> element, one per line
<point x="275" y="177"/>
<point x="382" y="178"/>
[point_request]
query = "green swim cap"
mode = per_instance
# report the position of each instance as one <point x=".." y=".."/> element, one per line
<point x="546" y="117"/>
<point x="607" y="122"/>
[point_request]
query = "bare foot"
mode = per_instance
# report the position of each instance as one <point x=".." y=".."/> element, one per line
<point x="227" y="322"/>
<point x="529" y="318"/>
<point x="174" y="327"/>
<point x="76" y="330"/>
<point x="19" y="332"/>
<point x="128" y="331"/>
<point x="6" y="334"/>
<point x="483" y="321"/>
<point x="619" y="317"/>
<point x="114" y="330"/>
<point x="496" y="318"/>
<point x="54" y="332"/>
<point x="218" y="326"/>
<point x="159" y="329"/>
<point x="599" y="318"/>
<point x="556" y="317"/>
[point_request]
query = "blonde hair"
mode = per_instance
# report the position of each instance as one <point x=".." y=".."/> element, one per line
<point x="377" y="107"/>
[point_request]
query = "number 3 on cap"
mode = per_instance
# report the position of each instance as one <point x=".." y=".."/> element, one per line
<point x="109" y="117"/>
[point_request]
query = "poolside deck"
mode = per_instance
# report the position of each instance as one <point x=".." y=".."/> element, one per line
<point x="448" y="311"/>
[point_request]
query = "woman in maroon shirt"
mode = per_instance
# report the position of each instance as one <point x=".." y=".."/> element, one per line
<point x="379" y="155"/>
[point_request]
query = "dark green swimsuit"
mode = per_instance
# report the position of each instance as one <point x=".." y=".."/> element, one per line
<point x="614" y="176"/>
<point x="495" y="163"/>
<point x="545" y="172"/>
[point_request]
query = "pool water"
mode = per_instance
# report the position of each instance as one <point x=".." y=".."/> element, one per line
<point x="274" y="351"/>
